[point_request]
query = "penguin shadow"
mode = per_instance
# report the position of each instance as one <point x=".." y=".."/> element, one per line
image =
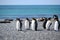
<point x="59" y="30"/>
<point x="39" y="29"/>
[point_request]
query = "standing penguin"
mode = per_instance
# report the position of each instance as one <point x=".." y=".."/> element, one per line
<point x="34" y="24"/>
<point x="56" y="17"/>
<point x="27" y="23"/>
<point x="56" y="24"/>
<point x="18" y="24"/>
<point x="48" y="24"/>
<point x="44" y="23"/>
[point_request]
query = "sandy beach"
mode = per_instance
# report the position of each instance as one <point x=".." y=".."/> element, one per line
<point x="8" y="32"/>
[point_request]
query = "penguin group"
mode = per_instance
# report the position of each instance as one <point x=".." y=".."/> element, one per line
<point x="33" y="24"/>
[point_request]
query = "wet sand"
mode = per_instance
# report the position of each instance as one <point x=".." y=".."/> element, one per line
<point x="8" y="32"/>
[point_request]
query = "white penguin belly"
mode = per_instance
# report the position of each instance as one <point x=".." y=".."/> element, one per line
<point x="18" y="25"/>
<point x="26" y="24"/>
<point x="56" y="26"/>
<point x="33" y="25"/>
